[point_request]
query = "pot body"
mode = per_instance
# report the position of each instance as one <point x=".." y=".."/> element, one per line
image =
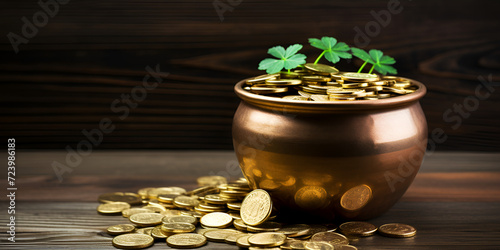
<point x="326" y="161"/>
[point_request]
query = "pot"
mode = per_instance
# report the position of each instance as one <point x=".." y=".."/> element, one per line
<point x="348" y="160"/>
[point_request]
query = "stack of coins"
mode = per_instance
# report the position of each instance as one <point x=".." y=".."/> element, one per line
<point x="319" y="82"/>
<point x="226" y="212"/>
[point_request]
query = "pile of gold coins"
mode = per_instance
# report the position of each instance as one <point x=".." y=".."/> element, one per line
<point x="319" y="82"/>
<point x="219" y="211"/>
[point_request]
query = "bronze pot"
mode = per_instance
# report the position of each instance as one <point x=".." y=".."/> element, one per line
<point x="330" y="160"/>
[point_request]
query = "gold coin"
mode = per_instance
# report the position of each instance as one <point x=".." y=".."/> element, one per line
<point x="167" y="198"/>
<point x="128" y="212"/>
<point x="397" y="230"/>
<point x="267" y="239"/>
<point x="335" y="98"/>
<point x="120" y="229"/>
<point x="304" y="94"/>
<point x="331" y="237"/>
<point x="268" y="226"/>
<point x="143" y="192"/>
<point x="185" y="201"/>
<point x="298" y="244"/>
<point x="288" y="244"/>
<point x="113" y="207"/>
<point x="157" y="208"/>
<point x="178" y="227"/>
<point x="192" y="213"/>
<point x="234" y="205"/>
<point x="319" y="245"/>
<point x="394" y="90"/>
<point x="354" y="85"/>
<point x="295" y="98"/>
<point x="338" y="91"/>
<point x="260" y="79"/>
<point x="233" y="194"/>
<point x="171" y="212"/>
<point x="320" y="98"/>
<point x="383" y="96"/>
<point x="256" y="207"/>
<point x="294" y="230"/>
<point x="283" y="82"/>
<point x="239" y="187"/>
<point x="266" y="90"/>
<point x="359" y="77"/>
<point x="235" y="215"/>
<point x="321" y="68"/>
<point x="180" y="218"/>
<point x="356" y="197"/>
<point x="130" y="198"/>
<point x="217" y="199"/>
<point x="153" y="193"/>
<point x="311" y="197"/>
<point x="144" y="230"/>
<point x="219" y="235"/>
<point x="146" y="219"/>
<point x="315" y="78"/>
<point x="243" y="241"/>
<point x="201" y="191"/>
<point x="313" y="90"/>
<point x="186" y="240"/>
<point x="379" y="83"/>
<point x="357" y="228"/>
<point x="216" y="220"/>
<point x="231" y="239"/>
<point x="158" y="234"/>
<point x="240" y="225"/>
<point x="132" y="241"/>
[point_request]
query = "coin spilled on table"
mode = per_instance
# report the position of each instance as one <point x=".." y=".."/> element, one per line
<point x="226" y="212"/>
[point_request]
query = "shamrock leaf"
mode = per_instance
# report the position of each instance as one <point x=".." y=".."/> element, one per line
<point x="381" y="63"/>
<point x="361" y="54"/>
<point x="288" y="59"/>
<point x="332" y="50"/>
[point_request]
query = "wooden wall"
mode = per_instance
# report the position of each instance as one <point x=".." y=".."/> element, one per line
<point x="67" y="76"/>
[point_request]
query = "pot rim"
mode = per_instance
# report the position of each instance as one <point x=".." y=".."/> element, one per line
<point x="293" y="105"/>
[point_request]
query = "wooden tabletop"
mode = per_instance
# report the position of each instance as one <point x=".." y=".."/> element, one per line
<point x="454" y="201"/>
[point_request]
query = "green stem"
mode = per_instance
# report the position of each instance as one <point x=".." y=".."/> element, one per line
<point x="288" y="71"/>
<point x="319" y="57"/>
<point x="371" y="70"/>
<point x="362" y="66"/>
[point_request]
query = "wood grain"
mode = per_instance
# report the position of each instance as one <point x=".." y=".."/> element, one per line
<point x="453" y="202"/>
<point x="440" y="225"/>
<point x="65" y="79"/>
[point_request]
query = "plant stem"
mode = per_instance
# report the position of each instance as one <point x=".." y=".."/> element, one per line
<point x="288" y="71"/>
<point x="319" y="57"/>
<point x="362" y="66"/>
<point x="371" y="70"/>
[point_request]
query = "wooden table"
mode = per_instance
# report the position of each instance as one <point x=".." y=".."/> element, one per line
<point x="454" y="201"/>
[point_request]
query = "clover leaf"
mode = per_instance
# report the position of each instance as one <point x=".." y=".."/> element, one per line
<point x="332" y="50"/>
<point x="381" y="63"/>
<point x="288" y="59"/>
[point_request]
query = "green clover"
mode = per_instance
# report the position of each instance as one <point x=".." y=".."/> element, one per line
<point x="288" y="59"/>
<point x="381" y="63"/>
<point x="332" y="50"/>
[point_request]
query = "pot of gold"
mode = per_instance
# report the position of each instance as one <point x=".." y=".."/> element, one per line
<point x="327" y="144"/>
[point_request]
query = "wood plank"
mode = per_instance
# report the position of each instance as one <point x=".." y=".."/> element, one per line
<point x="443" y="177"/>
<point x="440" y="225"/>
<point x="78" y="64"/>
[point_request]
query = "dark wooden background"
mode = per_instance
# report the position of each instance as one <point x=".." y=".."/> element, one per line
<point x="65" y="79"/>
